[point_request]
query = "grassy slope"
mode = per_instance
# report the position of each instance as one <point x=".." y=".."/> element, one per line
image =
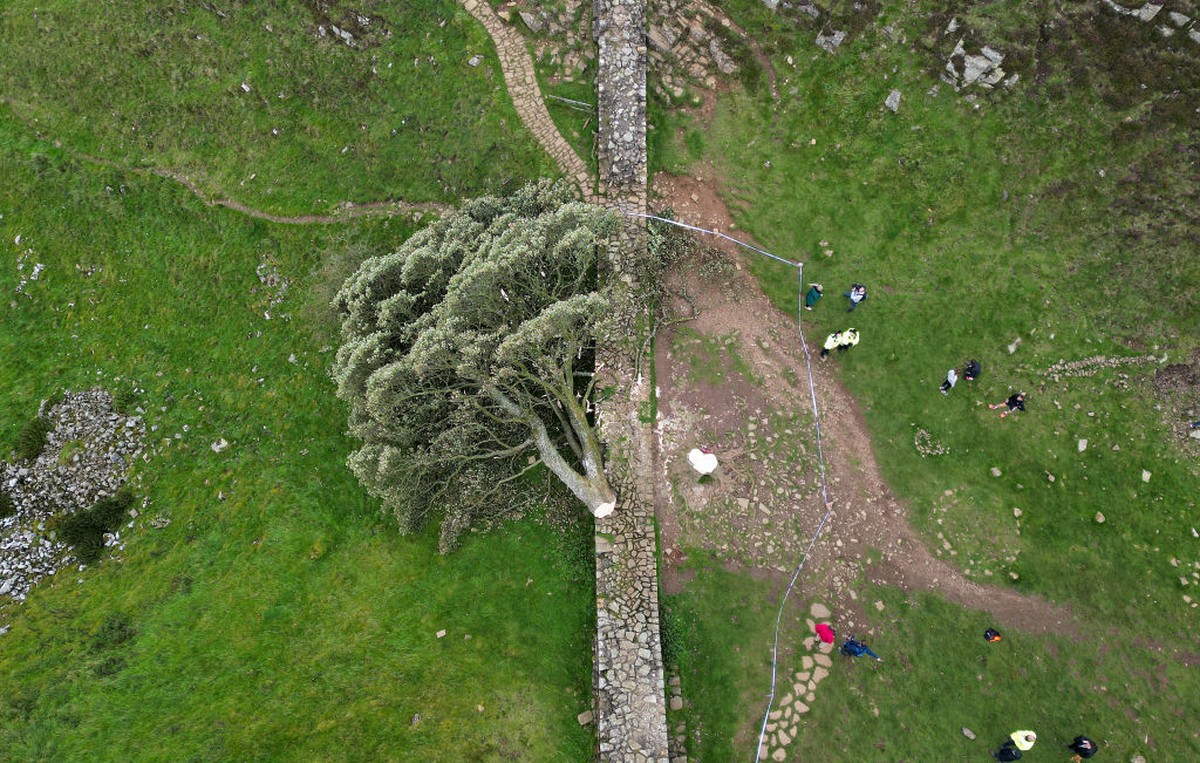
<point x="973" y="228"/>
<point x="286" y="621"/>
<point x="402" y="115"/>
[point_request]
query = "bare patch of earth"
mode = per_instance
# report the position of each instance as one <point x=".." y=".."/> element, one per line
<point x="733" y="378"/>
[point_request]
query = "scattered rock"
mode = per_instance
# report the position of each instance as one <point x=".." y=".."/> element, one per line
<point x="968" y="733"/>
<point x="1049" y="477"/>
<point x="831" y="42"/>
<point x="1145" y="475"/>
<point x="1099" y="518"/>
<point x="1082" y="445"/>
<point x="533" y="21"/>
<point x="219" y="445"/>
<point x="995" y="471"/>
<point x="475" y="60"/>
<point x="584" y="718"/>
<point x="893" y="101"/>
<point x="441" y="633"/>
<point x="1013" y="347"/>
<point x="676" y="703"/>
<point x="1017" y="513"/>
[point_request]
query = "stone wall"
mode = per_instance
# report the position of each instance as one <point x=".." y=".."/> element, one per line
<point x="631" y="722"/>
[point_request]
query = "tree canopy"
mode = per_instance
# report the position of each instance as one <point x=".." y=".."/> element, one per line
<point x="466" y="358"/>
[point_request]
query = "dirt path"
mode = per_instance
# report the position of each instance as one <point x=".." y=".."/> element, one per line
<point x="770" y="505"/>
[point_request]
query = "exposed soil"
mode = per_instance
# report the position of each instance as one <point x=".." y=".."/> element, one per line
<point x="733" y="378"/>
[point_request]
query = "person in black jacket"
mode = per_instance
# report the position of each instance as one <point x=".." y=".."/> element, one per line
<point x="1015" y="402"/>
<point x="972" y="370"/>
<point x="1082" y="747"/>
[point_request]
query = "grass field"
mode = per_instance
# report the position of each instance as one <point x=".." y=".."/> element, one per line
<point x="264" y="103"/>
<point x="1059" y="213"/>
<point x="278" y="615"/>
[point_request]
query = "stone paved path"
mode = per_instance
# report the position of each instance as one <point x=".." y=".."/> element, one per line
<point x="521" y="81"/>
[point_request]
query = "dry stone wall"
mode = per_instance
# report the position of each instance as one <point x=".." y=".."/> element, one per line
<point x="631" y="722"/>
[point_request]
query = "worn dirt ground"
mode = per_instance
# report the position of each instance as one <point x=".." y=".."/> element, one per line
<point x="733" y="378"/>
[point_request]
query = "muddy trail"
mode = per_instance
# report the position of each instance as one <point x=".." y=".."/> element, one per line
<point x="754" y="402"/>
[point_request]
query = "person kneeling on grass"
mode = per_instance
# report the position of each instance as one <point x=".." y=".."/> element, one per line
<point x="1015" y="402"/>
<point x="971" y="370"/>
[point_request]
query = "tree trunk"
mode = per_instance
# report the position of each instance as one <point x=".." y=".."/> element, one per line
<point x="591" y="487"/>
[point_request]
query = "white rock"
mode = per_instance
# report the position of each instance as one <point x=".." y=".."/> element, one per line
<point x="1145" y="475"/>
<point x="704" y="463"/>
<point x="1082" y="444"/>
<point x="893" y="101"/>
<point x="1099" y="518"/>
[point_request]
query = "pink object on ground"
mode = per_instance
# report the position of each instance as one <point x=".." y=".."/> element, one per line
<point x="825" y="633"/>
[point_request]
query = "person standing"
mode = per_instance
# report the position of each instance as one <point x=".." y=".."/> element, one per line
<point x="1082" y="747"/>
<point x="831" y="342"/>
<point x="813" y="296"/>
<point x="951" y="380"/>
<point x="1017" y="743"/>
<point x="1015" y="402"/>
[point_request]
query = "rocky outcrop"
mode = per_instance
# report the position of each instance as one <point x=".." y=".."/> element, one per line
<point x="89" y="450"/>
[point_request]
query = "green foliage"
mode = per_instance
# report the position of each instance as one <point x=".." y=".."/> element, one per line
<point x="125" y="400"/>
<point x="461" y="350"/>
<point x="85" y="530"/>
<point x="31" y="439"/>
<point x="7" y="507"/>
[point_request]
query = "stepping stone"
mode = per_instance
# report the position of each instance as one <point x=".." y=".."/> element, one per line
<point x="780" y="754"/>
<point x="807" y="662"/>
<point x="823" y="660"/>
<point x="819" y="611"/>
<point x="820" y="674"/>
<point x="801" y="707"/>
<point x="584" y="718"/>
<point x="802" y="676"/>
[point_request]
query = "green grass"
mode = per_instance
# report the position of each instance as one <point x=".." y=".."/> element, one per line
<point x="399" y="116"/>
<point x="1061" y="213"/>
<point x="279" y="616"/>
<point x="718" y="632"/>
<point x="939" y="676"/>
